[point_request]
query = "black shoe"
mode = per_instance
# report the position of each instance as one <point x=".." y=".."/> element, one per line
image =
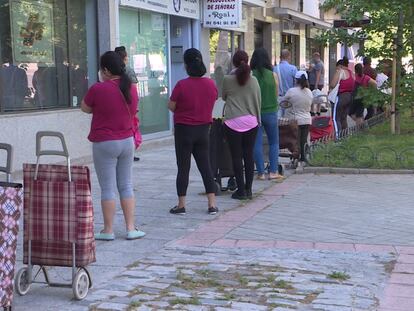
<point x="249" y="194"/>
<point x="237" y="196"/>
<point x="177" y="211"/>
<point x="136" y="159"/>
<point x="212" y="210"/>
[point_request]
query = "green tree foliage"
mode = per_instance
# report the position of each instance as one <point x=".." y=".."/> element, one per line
<point x="391" y="22"/>
<point x="380" y="33"/>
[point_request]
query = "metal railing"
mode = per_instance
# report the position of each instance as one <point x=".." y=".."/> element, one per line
<point x="331" y="151"/>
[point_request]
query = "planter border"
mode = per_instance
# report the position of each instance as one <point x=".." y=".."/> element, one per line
<point x="344" y="170"/>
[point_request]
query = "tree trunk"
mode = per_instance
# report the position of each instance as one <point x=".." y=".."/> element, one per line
<point x="412" y="33"/>
<point x="400" y="51"/>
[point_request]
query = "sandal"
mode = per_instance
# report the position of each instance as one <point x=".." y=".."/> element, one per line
<point x="102" y="236"/>
<point x="135" y="234"/>
<point x="276" y="176"/>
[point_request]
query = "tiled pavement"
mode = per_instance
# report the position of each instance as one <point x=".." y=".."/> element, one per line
<point x="154" y="182"/>
<point x="303" y="229"/>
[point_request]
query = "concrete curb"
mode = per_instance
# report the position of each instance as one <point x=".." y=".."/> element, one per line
<point x="339" y="170"/>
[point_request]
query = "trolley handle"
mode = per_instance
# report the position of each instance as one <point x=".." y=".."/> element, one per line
<point x="39" y="152"/>
<point x="9" y="156"/>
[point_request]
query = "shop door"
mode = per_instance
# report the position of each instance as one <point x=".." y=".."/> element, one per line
<point x="258" y="34"/>
<point x="145" y="36"/>
<point x="181" y="40"/>
<point x="291" y="43"/>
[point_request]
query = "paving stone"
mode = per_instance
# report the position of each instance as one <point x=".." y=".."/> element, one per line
<point x="151" y="284"/>
<point x="160" y="304"/>
<point x="214" y="302"/>
<point x="143" y="297"/>
<point x="108" y="306"/>
<point x="196" y="308"/>
<point x="282" y="301"/>
<point x="247" y="306"/>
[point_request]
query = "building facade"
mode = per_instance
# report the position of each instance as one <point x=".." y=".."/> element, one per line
<point x="50" y="49"/>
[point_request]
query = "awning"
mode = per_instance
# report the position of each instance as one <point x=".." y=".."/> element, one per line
<point x="301" y="18"/>
<point x="260" y="3"/>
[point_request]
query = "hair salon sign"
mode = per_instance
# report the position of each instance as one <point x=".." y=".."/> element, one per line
<point x="184" y="8"/>
<point x="222" y="13"/>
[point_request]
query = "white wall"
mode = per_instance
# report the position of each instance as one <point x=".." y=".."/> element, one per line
<point x="20" y="130"/>
<point x="291" y="4"/>
<point x="311" y="7"/>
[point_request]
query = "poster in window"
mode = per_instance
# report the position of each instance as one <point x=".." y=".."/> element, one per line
<point x="32" y="32"/>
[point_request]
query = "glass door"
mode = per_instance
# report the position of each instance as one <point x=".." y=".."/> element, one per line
<point x="145" y="36"/>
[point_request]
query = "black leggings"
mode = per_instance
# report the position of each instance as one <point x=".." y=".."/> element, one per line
<point x="303" y="139"/>
<point x="193" y="139"/>
<point x="241" y="147"/>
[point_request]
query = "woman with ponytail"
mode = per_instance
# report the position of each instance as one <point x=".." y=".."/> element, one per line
<point x="241" y="92"/>
<point x="263" y="71"/>
<point x="113" y="103"/>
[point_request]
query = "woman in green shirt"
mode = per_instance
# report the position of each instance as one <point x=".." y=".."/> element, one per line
<point x="263" y="71"/>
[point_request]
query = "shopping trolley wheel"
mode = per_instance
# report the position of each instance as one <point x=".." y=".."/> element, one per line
<point x="22" y="281"/>
<point x="80" y="285"/>
<point x="232" y="184"/>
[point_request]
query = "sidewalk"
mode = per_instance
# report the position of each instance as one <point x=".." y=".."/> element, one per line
<point x="154" y="184"/>
<point x="326" y="242"/>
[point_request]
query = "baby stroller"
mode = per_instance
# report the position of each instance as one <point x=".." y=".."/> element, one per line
<point x="322" y="125"/>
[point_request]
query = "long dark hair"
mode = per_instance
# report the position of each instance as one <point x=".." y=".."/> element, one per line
<point x="261" y="60"/>
<point x="193" y="61"/>
<point x="345" y="61"/>
<point x="241" y="62"/>
<point x="359" y="70"/>
<point x="113" y="62"/>
<point x="302" y="82"/>
<point x="121" y="50"/>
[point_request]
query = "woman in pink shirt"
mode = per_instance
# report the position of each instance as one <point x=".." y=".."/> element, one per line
<point x="346" y="80"/>
<point x="192" y="102"/>
<point x="113" y="103"/>
<point x="356" y="110"/>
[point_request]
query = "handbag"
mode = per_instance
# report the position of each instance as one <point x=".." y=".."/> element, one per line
<point x="333" y="94"/>
<point x="136" y="133"/>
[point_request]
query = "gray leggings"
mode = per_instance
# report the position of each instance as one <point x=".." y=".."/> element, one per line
<point x="113" y="164"/>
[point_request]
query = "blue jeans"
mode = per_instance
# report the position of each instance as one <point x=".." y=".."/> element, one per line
<point x="269" y="124"/>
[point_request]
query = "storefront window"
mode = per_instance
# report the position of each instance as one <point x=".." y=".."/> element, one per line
<point x="291" y="43"/>
<point x="43" y="53"/>
<point x="312" y="46"/>
<point x="223" y="45"/>
<point x="144" y="34"/>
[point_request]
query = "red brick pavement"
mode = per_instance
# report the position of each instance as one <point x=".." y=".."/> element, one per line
<point x="399" y="292"/>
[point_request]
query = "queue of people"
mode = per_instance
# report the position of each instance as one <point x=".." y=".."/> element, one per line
<point x="347" y="82"/>
<point x="252" y="93"/>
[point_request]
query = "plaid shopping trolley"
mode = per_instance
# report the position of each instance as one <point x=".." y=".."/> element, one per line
<point x="11" y="203"/>
<point x="58" y="220"/>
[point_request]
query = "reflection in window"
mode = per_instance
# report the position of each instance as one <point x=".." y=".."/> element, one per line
<point x="220" y="56"/>
<point x="144" y="34"/>
<point x="43" y="60"/>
